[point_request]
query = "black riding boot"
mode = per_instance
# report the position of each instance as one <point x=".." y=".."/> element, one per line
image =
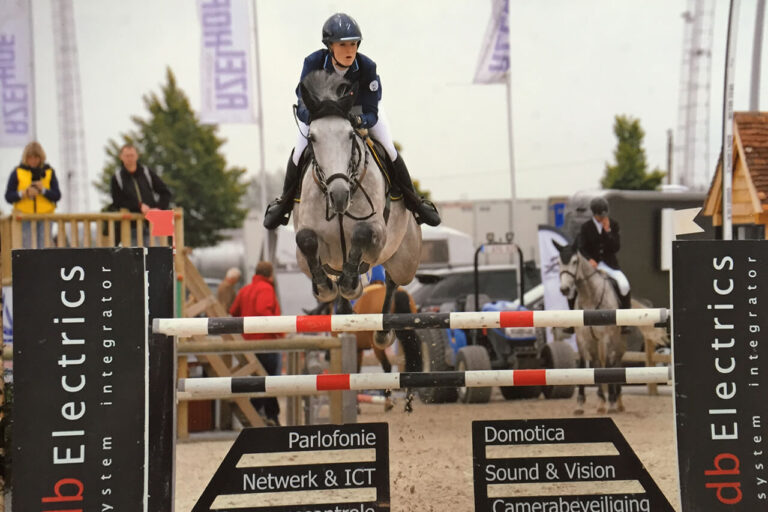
<point x="625" y="302"/>
<point x="571" y="304"/>
<point x="279" y="211"/>
<point x="425" y="211"/>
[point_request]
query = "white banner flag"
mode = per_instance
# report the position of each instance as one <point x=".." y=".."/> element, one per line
<point x="494" y="58"/>
<point x="17" y="119"/>
<point x="550" y="272"/>
<point x="225" y="62"/>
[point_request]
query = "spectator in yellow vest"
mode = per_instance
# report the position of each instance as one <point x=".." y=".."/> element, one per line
<point x="33" y="188"/>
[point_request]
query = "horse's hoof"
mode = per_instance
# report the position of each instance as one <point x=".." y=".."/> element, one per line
<point x="388" y="404"/>
<point x="383" y="339"/>
<point x="620" y="408"/>
<point x="612" y="410"/>
<point x="578" y="412"/>
<point x="601" y="410"/>
<point x="351" y="292"/>
<point x="327" y="292"/>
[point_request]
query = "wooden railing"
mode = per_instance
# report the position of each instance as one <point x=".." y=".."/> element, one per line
<point x="82" y="230"/>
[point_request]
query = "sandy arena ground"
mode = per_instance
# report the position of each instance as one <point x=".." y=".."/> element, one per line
<point x="431" y="450"/>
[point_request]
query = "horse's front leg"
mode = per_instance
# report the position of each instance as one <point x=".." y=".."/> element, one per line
<point x="383" y="339"/>
<point x="324" y="289"/>
<point x="580" y="397"/>
<point x="615" y="403"/>
<point x="363" y="241"/>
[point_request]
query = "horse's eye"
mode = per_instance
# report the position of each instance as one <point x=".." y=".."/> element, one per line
<point x="351" y="135"/>
<point x="311" y="137"/>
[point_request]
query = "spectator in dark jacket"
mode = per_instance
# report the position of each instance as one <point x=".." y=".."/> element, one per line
<point x="136" y="188"/>
<point x="259" y="299"/>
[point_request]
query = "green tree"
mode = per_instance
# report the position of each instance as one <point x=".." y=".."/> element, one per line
<point x="631" y="169"/>
<point x="186" y="154"/>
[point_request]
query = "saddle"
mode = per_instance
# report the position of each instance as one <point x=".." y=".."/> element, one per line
<point x="380" y="157"/>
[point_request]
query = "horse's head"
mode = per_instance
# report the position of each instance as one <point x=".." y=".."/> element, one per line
<point x="569" y="268"/>
<point x="336" y="148"/>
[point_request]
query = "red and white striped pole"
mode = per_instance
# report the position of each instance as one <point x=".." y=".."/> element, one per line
<point x="296" y="384"/>
<point x="379" y="322"/>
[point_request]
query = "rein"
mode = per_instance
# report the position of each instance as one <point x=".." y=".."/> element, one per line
<point x="586" y="278"/>
<point x="352" y="176"/>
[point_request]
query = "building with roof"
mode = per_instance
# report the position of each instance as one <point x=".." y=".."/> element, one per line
<point x="750" y="179"/>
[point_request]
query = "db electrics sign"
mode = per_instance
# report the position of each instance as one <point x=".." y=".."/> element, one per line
<point x="79" y="428"/>
<point x="720" y="321"/>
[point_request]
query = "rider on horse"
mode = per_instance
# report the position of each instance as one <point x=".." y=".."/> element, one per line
<point x="342" y="36"/>
<point x="599" y="242"/>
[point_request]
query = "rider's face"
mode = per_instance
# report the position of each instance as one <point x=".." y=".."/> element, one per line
<point x="344" y="52"/>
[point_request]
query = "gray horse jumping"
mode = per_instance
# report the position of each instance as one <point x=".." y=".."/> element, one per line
<point x="344" y="222"/>
<point x="601" y="346"/>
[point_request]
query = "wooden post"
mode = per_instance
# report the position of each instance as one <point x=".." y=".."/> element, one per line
<point x="182" y="408"/>
<point x="335" y="400"/>
<point x="650" y="351"/>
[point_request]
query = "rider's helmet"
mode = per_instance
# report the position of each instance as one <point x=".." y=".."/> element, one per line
<point x="341" y="27"/>
<point x="599" y="206"/>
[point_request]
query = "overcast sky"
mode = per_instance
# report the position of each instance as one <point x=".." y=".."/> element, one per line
<point x="575" y="65"/>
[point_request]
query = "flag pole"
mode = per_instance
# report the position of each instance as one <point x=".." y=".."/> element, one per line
<point x="511" y="145"/>
<point x="730" y="64"/>
<point x="260" y="123"/>
<point x="33" y="91"/>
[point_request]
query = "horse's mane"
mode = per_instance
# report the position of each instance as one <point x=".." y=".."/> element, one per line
<point x="325" y="86"/>
<point x="330" y="94"/>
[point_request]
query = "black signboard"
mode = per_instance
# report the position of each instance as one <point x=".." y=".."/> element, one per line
<point x="559" y="464"/>
<point x="162" y="382"/>
<point x="315" y="468"/>
<point x="720" y="321"/>
<point x="80" y="380"/>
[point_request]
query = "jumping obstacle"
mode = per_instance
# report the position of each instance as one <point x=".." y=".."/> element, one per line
<point x="386" y="322"/>
<point x="293" y="384"/>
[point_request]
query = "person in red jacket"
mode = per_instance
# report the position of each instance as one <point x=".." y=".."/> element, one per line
<point x="259" y="299"/>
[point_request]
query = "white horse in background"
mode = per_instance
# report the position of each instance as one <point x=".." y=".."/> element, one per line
<point x="602" y="346"/>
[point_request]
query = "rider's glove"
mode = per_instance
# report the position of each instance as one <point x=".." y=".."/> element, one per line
<point x="356" y="121"/>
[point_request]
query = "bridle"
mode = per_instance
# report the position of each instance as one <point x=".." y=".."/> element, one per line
<point x="354" y="175"/>
<point x="575" y="277"/>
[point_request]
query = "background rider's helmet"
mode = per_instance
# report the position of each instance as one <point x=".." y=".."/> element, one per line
<point x="377" y="274"/>
<point x="341" y="27"/>
<point x="599" y="206"/>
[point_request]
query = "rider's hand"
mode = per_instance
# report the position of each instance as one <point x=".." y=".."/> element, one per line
<point x="606" y="224"/>
<point x="356" y="121"/>
<point x="593" y="263"/>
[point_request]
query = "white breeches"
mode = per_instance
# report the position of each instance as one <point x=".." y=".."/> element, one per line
<point x="379" y="131"/>
<point x="617" y="275"/>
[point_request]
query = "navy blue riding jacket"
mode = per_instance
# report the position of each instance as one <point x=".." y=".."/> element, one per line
<point x="362" y="71"/>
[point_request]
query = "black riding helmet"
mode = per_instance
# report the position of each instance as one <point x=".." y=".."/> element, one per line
<point x="599" y="206"/>
<point x="341" y="27"/>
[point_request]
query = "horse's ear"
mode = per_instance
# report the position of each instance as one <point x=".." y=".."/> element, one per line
<point x="307" y="98"/>
<point x="347" y="97"/>
<point x="558" y="246"/>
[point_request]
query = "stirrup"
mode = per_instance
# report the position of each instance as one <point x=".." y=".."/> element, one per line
<point x="278" y="213"/>
<point x="426" y="213"/>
